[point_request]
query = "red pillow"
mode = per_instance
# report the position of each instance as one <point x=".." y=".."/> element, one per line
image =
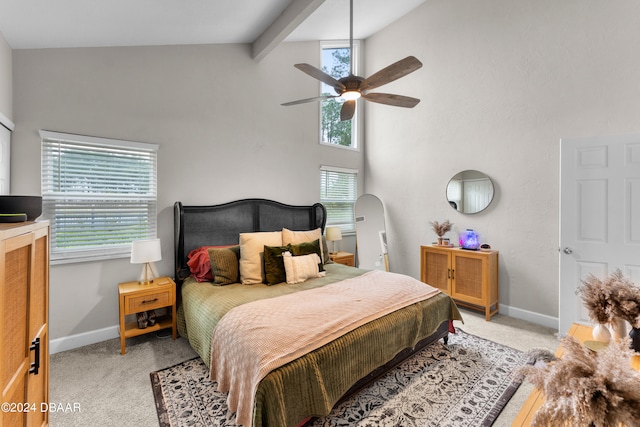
<point x="200" y="264"/>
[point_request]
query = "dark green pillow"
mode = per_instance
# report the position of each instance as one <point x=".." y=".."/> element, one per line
<point x="307" y="248"/>
<point x="274" y="264"/>
<point x="225" y="265"/>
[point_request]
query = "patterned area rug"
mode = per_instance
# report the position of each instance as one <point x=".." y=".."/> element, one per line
<point x="466" y="383"/>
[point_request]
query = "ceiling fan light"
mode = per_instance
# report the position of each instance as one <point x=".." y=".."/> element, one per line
<point x="350" y="95"/>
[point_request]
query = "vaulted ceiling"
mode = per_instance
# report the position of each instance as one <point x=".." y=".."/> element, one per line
<point x="263" y="23"/>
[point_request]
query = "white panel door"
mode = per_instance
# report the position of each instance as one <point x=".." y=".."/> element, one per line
<point x="599" y="215"/>
<point x="5" y="160"/>
<point x="478" y="193"/>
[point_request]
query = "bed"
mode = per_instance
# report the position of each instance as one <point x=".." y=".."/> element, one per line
<point x="311" y="384"/>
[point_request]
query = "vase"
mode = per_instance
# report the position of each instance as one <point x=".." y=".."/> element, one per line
<point x="601" y="333"/>
<point x="634" y="334"/>
<point x="618" y="329"/>
<point x="440" y="241"/>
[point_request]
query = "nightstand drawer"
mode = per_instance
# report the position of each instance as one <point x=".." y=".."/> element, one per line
<point x="345" y="258"/>
<point x="138" y="303"/>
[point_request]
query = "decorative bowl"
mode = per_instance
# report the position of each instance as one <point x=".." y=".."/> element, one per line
<point x="29" y="205"/>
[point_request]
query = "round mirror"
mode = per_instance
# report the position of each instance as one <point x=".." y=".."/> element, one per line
<point x="470" y="191"/>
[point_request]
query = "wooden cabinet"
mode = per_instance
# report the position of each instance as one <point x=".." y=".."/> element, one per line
<point x="345" y="258"/>
<point x="469" y="277"/>
<point x="134" y="298"/>
<point x="24" y="331"/>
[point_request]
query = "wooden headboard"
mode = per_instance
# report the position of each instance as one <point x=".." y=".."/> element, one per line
<point x="196" y="226"/>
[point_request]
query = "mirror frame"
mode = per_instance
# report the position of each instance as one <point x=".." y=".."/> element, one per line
<point x="476" y="176"/>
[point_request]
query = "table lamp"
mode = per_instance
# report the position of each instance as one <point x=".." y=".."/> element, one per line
<point x="146" y="252"/>
<point x="333" y="234"/>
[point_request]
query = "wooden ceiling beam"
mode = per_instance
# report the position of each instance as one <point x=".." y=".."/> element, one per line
<point x="291" y="17"/>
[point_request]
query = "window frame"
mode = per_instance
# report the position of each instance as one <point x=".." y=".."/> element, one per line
<point x="346" y="228"/>
<point x="355" y="123"/>
<point x="117" y="201"/>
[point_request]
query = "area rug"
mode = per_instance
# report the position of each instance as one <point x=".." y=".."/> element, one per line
<point x="465" y="383"/>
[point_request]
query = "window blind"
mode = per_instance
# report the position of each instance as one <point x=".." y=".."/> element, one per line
<point x="99" y="194"/>
<point x="338" y="193"/>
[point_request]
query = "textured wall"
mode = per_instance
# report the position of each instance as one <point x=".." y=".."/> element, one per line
<point x="503" y="81"/>
<point x="6" y="79"/>
<point x="215" y="113"/>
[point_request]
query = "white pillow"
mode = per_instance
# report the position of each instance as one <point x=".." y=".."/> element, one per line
<point x="297" y="237"/>
<point x="301" y="268"/>
<point x="252" y="253"/>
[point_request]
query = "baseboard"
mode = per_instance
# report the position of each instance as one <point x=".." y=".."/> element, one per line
<point x="530" y="316"/>
<point x="80" y="340"/>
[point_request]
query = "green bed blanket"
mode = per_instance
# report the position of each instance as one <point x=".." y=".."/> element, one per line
<point x="311" y="385"/>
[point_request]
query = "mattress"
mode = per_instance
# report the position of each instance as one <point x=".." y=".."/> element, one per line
<point x="312" y="384"/>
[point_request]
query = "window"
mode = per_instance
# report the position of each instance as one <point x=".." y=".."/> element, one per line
<point x="99" y="194"/>
<point x="338" y="194"/>
<point x="335" y="59"/>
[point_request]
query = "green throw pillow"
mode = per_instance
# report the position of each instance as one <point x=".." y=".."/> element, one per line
<point x="274" y="264"/>
<point x="224" y="265"/>
<point x="307" y="248"/>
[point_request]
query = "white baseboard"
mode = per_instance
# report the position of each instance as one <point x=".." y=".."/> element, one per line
<point x="530" y="316"/>
<point x="80" y="340"/>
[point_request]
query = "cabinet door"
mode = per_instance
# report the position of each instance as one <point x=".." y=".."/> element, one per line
<point x="468" y="278"/>
<point x="435" y="270"/>
<point x="15" y="267"/>
<point x="38" y="387"/>
<point x="24" y="301"/>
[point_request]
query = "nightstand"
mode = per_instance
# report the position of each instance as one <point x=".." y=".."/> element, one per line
<point x="345" y="258"/>
<point x="134" y="298"/>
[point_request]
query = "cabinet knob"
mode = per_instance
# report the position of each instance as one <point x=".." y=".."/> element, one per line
<point x="567" y="251"/>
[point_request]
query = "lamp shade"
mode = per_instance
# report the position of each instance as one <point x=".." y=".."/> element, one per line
<point x="333" y="234"/>
<point x="145" y="251"/>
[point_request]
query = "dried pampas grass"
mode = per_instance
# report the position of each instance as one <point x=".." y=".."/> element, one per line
<point x="586" y="388"/>
<point x="614" y="297"/>
<point x="441" y="229"/>
<point x="596" y="296"/>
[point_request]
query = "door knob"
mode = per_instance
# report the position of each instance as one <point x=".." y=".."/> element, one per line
<point x="567" y="251"/>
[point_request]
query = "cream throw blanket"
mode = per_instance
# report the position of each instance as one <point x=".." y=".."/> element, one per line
<point x="255" y="338"/>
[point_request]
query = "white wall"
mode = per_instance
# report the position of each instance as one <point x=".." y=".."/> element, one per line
<point x="217" y="117"/>
<point x="6" y="79"/>
<point x="502" y="82"/>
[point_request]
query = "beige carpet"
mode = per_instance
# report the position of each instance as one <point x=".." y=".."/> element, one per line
<point x="115" y="390"/>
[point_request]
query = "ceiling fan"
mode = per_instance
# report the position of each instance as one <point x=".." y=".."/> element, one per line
<point x="352" y="87"/>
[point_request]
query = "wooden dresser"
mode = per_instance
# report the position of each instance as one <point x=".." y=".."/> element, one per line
<point x="469" y="277"/>
<point x="24" y="331"/>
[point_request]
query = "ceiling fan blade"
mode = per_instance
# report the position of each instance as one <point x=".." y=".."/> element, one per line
<point x="391" y="99"/>
<point x="391" y="73"/>
<point x="347" y="111"/>
<point x="304" y="101"/>
<point x="320" y="75"/>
